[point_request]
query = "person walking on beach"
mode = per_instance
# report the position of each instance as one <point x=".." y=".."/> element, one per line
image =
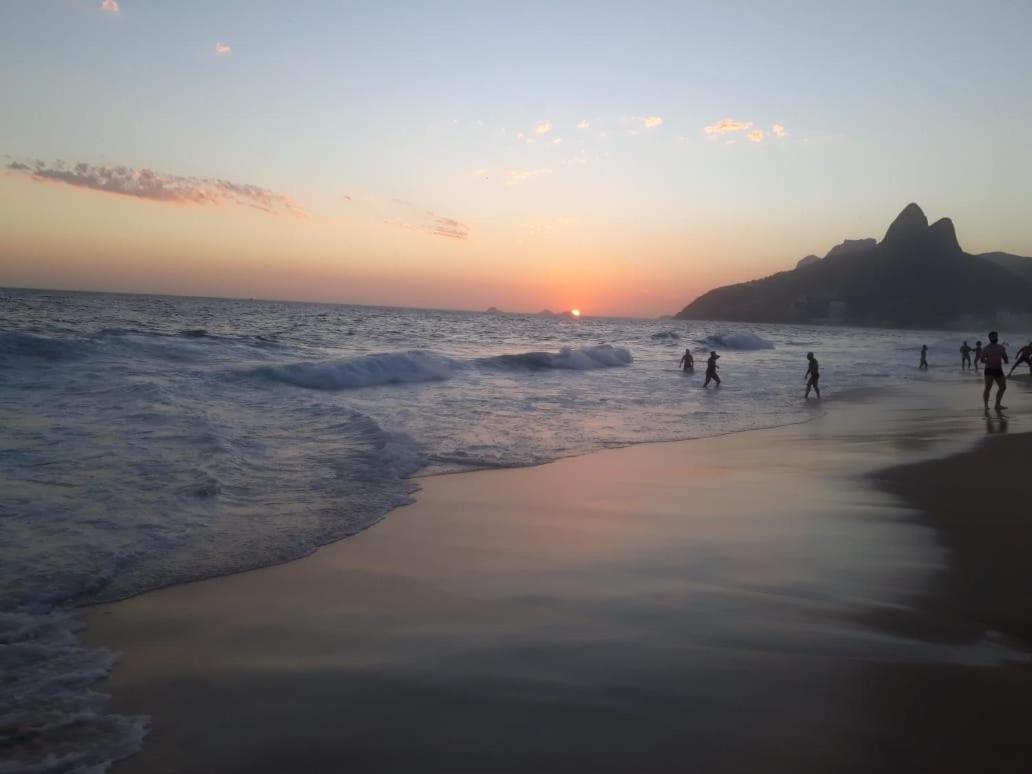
<point x="711" y="370"/>
<point x="1024" y="355"/>
<point x="687" y="360"/>
<point x="994" y="356"/>
<point x="924" y="357"/>
<point x="965" y="356"/>
<point x="978" y="354"/>
<point x="813" y="375"/>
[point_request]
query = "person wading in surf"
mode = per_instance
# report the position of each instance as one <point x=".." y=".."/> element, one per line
<point x="965" y="356"/>
<point x="994" y="356"/>
<point x="813" y="375"/>
<point x="1024" y="355"/>
<point x="687" y="360"/>
<point x="711" y="370"/>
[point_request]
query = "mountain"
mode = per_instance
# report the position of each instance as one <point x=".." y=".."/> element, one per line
<point x="917" y="275"/>
<point x="843" y="248"/>
<point x="1016" y="264"/>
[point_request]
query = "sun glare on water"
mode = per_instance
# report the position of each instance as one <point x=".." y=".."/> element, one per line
<point x="575" y="312"/>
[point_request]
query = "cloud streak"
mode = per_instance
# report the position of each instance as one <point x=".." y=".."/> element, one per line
<point x="110" y="6"/>
<point x="778" y="131"/>
<point x="406" y="215"/>
<point x="157" y="187"/>
<point x="726" y="125"/>
<point x="543" y="127"/>
<point x="222" y="49"/>
<point x="518" y="176"/>
<point x="756" y="135"/>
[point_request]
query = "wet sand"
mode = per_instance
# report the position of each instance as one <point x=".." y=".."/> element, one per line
<point x="770" y="600"/>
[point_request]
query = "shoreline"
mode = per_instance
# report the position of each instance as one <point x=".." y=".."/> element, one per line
<point x="376" y="606"/>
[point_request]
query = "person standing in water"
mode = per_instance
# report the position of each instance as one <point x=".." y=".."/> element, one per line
<point x="1024" y="355"/>
<point x="978" y="354"/>
<point x="687" y="360"/>
<point x="994" y="356"/>
<point x="813" y="375"/>
<point x="965" y="356"/>
<point x="711" y="370"/>
<point x="924" y="357"/>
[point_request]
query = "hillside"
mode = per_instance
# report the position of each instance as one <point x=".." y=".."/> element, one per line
<point x="917" y="275"/>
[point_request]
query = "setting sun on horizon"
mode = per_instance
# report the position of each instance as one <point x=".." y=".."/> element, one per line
<point x="351" y="158"/>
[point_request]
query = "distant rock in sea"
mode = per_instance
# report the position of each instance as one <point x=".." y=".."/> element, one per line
<point x="494" y="310"/>
<point x="918" y="275"/>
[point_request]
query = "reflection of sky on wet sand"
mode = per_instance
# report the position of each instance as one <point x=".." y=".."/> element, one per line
<point x="718" y="579"/>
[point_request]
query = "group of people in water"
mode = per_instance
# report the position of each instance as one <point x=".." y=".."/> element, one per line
<point x="813" y="372"/>
<point x="993" y="356"/>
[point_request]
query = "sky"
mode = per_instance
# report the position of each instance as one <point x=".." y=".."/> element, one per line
<point x="621" y="158"/>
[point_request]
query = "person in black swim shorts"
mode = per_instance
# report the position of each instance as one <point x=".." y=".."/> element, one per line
<point x="994" y="355"/>
<point x="711" y="370"/>
<point x="813" y="375"/>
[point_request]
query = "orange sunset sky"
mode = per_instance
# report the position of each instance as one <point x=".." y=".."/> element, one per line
<point x="618" y="159"/>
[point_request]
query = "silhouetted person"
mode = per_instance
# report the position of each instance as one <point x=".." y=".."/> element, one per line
<point x="813" y="375"/>
<point x="978" y="354"/>
<point x="965" y="356"/>
<point x="994" y="356"/>
<point x="711" y="370"/>
<point x="924" y="357"/>
<point x="687" y="360"/>
<point x="1024" y="355"/>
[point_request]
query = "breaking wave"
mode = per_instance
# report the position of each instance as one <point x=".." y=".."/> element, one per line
<point x="582" y="359"/>
<point x="365" y="371"/>
<point x="423" y="366"/>
<point x="745" y="341"/>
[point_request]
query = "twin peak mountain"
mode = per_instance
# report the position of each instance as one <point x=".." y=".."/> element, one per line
<point x="916" y="276"/>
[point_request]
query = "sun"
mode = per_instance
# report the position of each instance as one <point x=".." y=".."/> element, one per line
<point x="575" y="312"/>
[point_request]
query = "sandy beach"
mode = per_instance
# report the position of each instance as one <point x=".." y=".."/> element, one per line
<point x="838" y="595"/>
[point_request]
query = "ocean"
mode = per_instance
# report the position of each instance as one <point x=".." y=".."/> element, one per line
<point x="153" y="440"/>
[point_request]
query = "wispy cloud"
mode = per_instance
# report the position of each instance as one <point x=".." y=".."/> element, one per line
<point x="646" y="122"/>
<point x="727" y="125"/>
<point x="778" y="131"/>
<point x="756" y="135"/>
<point x="518" y="176"/>
<point x="406" y="215"/>
<point x="157" y="187"/>
<point x="110" y="6"/>
<point x="583" y="124"/>
<point x="222" y="49"/>
<point x="543" y="127"/>
<point x="437" y="225"/>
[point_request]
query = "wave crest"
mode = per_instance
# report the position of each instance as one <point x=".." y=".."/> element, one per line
<point x="365" y="371"/>
<point x="747" y="341"/>
<point x="581" y="359"/>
